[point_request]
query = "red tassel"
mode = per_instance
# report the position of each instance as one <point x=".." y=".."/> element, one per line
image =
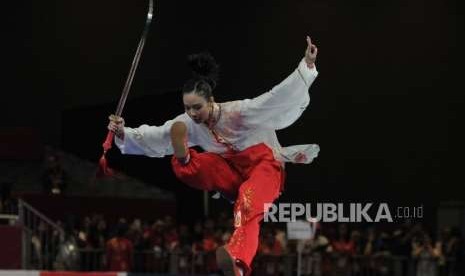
<point x="104" y="169"/>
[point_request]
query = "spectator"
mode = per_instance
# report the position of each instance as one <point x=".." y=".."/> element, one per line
<point x="343" y="250"/>
<point x="401" y="240"/>
<point x="356" y="238"/>
<point x="119" y="250"/>
<point x="170" y="237"/>
<point x="343" y="244"/>
<point x="223" y="221"/>
<point x="383" y="244"/>
<point x="454" y="248"/>
<point x="269" y="248"/>
<point x="313" y="261"/>
<point x="209" y="246"/>
<point x="54" y="177"/>
<point x="382" y="254"/>
<point x="269" y="245"/>
<point x="84" y="234"/>
<point x="68" y="256"/>
<point x="370" y="242"/>
<point x="8" y="205"/>
<point x="135" y="234"/>
<point x="281" y="237"/>
<point x="36" y="246"/>
<point x="424" y="253"/>
<point x="455" y="251"/>
<point x="198" y="231"/>
<point x="184" y="235"/>
<point x="402" y="244"/>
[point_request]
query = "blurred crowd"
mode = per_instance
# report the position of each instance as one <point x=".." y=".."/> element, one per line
<point x="137" y="245"/>
<point x="166" y="245"/>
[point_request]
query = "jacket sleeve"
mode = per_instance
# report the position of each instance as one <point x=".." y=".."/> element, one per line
<point x="152" y="141"/>
<point x="283" y="104"/>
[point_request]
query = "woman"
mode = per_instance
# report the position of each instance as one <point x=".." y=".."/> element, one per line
<point x="243" y="159"/>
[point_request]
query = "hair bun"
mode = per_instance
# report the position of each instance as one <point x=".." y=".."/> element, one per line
<point x="204" y="66"/>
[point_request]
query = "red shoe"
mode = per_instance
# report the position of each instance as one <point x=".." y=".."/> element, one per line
<point x="178" y="134"/>
<point x="226" y="262"/>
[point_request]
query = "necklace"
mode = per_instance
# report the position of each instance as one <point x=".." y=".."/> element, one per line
<point x="212" y="121"/>
<point x="218" y="137"/>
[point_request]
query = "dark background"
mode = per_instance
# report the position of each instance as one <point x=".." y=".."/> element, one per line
<point x="386" y="108"/>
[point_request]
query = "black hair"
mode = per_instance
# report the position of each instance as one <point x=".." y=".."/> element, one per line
<point x="121" y="229"/>
<point x="205" y="75"/>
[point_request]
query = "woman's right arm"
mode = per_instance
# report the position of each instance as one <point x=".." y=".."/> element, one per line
<point x="152" y="141"/>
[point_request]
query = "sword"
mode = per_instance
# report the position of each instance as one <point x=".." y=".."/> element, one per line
<point x="104" y="170"/>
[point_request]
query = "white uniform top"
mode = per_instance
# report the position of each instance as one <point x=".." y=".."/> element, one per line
<point x="242" y="124"/>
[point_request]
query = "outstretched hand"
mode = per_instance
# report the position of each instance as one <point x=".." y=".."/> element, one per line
<point x="310" y="53"/>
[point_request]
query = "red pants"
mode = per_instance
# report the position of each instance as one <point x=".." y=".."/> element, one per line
<point x="251" y="177"/>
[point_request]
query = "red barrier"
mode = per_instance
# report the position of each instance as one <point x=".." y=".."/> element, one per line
<point x="71" y="273"/>
<point x="10" y="247"/>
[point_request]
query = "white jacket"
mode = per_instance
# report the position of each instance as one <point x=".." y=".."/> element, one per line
<point x="242" y="124"/>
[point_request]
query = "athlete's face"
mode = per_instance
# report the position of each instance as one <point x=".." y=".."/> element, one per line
<point x="197" y="107"/>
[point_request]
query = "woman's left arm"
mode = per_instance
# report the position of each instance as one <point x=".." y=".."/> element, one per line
<point x="284" y="103"/>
